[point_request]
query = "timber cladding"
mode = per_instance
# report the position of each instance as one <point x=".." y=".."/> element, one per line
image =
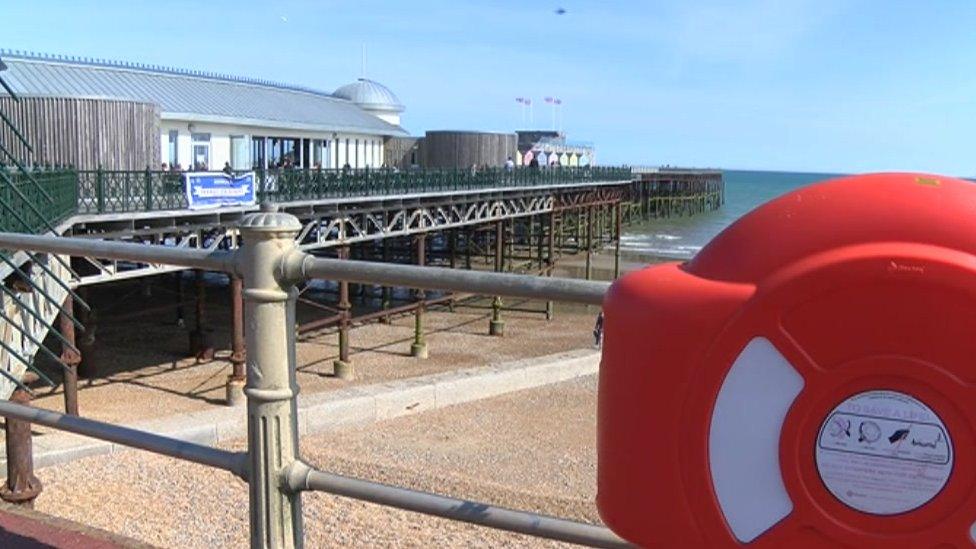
<point x="84" y="133"/>
<point x="456" y="149"/>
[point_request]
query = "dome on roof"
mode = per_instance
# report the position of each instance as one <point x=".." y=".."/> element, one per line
<point x="370" y="95"/>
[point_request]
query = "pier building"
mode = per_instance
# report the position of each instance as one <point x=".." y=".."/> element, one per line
<point x="91" y="113"/>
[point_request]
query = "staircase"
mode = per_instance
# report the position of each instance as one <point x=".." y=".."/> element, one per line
<point x="33" y="287"/>
<point x="28" y="312"/>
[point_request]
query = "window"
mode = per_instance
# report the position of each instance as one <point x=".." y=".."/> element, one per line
<point x="172" y="152"/>
<point x="201" y="151"/>
<point x="240" y="158"/>
<point x="347" y="153"/>
<point x="356" y="165"/>
<point x="259" y="150"/>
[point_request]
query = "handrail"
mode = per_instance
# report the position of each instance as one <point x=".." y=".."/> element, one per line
<point x="270" y="264"/>
<point x="301" y="477"/>
<point x="234" y="462"/>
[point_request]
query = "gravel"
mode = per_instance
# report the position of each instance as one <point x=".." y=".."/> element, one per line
<point x="532" y="449"/>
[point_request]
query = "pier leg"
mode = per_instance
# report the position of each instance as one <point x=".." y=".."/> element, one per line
<point x="419" y="347"/>
<point x="89" y="319"/>
<point x="551" y="260"/>
<point x="200" y="345"/>
<point x="180" y="317"/>
<point x="236" y="380"/>
<point x="496" y="326"/>
<point x="22" y="487"/>
<point x="342" y="367"/>
<point x="452" y="244"/>
<point x="467" y="249"/>
<point x="70" y="357"/>
<point x="618" y="225"/>
<point x="387" y="291"/>
<point x="589" y="243"/>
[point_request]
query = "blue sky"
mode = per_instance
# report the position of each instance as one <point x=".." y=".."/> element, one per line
<point x="825" y="85"/>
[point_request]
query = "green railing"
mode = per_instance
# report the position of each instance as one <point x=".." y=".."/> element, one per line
<point x="34" y="201"/>
<point x="104" y="191"/>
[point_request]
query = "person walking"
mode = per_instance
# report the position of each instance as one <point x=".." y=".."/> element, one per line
<point x="598" y="331"/>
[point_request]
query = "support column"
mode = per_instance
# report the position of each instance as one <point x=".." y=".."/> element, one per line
<point x="551" y="260"/>
<point x="618" y="225"/>
<point x="467" y="249"/>
<point x="70" y="357"/>
<point x="452" y="244"/>
<point x="180" y="316"/>
<point x="235" y="382"/>
<point x="589" y="243"/>
<point x="22" y="486"/>
<point x="419" y="347"/>
<point x="272" y="413"/>
<point x="86" y="343"/>
<point x="496" y="326"/>
<point x="342" y="367"/>
<point x="200" y="345"/>
<point x="387" y="291"/>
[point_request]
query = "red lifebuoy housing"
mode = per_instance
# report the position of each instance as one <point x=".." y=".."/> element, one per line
<point x="807" y="380"/>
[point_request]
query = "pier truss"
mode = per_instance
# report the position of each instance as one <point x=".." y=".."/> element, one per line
<point x="331" y="222"/>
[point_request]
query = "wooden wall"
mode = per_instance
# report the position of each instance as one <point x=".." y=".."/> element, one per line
<point x="452" y="149"/>
<point x="84" y="133"/>
<point x="397" y="152"/>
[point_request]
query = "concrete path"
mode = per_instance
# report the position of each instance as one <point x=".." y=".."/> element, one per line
<point x="27" y="529"/>
<point x="359" y="405"/>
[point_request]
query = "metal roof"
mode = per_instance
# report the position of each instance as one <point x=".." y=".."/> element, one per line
<point x="370" y="95"/>
<point x="191" y="95"/>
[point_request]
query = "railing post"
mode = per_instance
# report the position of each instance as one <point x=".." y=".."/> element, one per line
<point x="149" y="191"/>
<point x="100" y="189"/>
<point x="22" y="487"/>
<point x="271" y="389"/>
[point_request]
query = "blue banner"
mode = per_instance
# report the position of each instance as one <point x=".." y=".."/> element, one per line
<point x="216" y="189"/>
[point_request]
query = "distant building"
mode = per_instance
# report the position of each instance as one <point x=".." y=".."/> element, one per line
<point x="91" y="113"/>
<point x="462" y="149"/>
<point x="550" y="147"/>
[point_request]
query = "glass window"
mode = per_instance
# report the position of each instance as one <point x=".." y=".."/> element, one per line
<point x="258" y="152"/>
<point x="172" y="153"/>
<point x="240" y="158"/>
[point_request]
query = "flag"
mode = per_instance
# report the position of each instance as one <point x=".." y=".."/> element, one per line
<point x="528" y="101"/>
<point x="520" y="100"/>
<point x="558" y="101"/>
<point x="548" y="100"/>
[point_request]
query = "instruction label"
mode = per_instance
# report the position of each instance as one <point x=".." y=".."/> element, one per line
<point x="884" y="453"/>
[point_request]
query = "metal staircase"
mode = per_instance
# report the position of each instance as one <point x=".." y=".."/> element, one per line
<point x="33" y="287"/>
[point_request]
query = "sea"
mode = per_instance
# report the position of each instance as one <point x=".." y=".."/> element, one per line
<point x="682" y="237"/>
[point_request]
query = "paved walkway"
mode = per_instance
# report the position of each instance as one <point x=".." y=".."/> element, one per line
<point x="27" y="529"/>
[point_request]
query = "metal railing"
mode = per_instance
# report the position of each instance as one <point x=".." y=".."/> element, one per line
<point x="271" y="266"/>
<point x="102" y="191"/>
<point x="26" y="196"/>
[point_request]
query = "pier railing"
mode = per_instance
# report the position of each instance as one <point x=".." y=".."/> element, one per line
<point x="271" y="266"/>
<point x="104" y="191"/>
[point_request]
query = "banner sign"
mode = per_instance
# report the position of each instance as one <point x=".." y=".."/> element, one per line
<point x="216" y="189"/>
